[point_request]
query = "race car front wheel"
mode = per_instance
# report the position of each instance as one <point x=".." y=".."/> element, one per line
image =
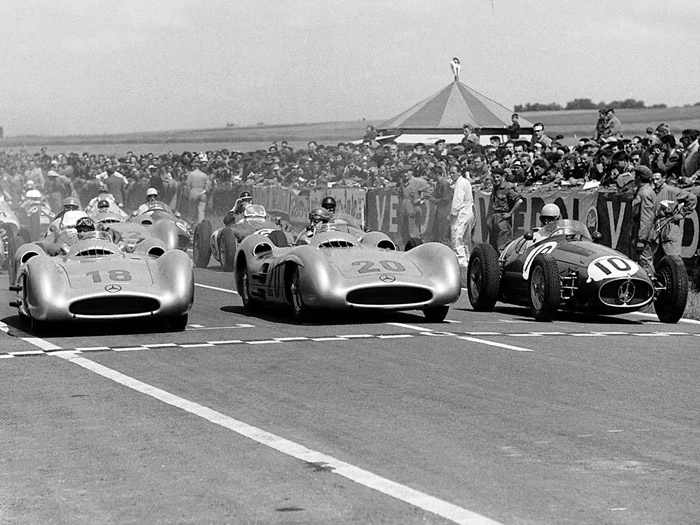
<point x="436" y="314"/>
<point x="483" y="278"/>
<point x="672" y="278"/>
<point x="243" y="285"/>
<point x="302" y="313"/>
<point x="544" y="287"/>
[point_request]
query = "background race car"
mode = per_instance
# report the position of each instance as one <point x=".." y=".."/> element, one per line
<point x="222" y="243"/>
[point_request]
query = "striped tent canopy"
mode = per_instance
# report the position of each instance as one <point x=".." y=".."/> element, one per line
<point x="450" y="108"/>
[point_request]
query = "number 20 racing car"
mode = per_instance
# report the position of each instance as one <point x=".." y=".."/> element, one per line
<point x="560" y="266"/>
<point x="342" y="268"/>
<point x="93" y="279"/>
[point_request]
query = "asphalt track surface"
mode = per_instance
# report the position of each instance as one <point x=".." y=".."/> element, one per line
<point x="355" y="419"/>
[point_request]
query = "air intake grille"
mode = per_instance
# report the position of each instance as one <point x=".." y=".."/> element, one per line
<point x="389" y="295"/>
<point x="626" y="292"/>
<point x="106" y="306"/>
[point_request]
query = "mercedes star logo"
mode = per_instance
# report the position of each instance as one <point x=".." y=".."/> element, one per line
<point x="113" y="288"/>
<point x="625" y="293"/>
<point x="387" y="278"/>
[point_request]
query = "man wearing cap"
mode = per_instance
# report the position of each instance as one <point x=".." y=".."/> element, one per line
<point x="643" y="212"/>
<point x="197" y="184"/>
<point x="413" y="193"/>
<point x="671" y="205"/>
<point x="505" y="201"/>
<point x="57" y="187"/>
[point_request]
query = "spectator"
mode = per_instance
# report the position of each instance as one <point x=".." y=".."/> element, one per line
<point x="461" y="216"/>
<point x="505" y="201"/>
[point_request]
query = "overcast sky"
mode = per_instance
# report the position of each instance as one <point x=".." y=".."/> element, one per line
<point x="106" y="66"/>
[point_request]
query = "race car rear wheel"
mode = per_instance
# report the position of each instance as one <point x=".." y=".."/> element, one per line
<point x="227" y="249"/>
<point x="178" y="322"/>
<point x="302" y="313"/>
<point x="201" y="248"/>
<point x="544" y="288"/>
<point x="436" y="314"/>
<point x="673" y="279"/>
<point x="483" y="278"/>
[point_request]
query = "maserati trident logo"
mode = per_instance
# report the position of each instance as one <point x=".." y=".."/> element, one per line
<point x="625" y="292"/>
<point x="113" y="288"/>
<point x="387" y="278"/>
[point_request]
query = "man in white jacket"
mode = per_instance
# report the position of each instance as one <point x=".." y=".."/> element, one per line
<point x="461" y="215"/>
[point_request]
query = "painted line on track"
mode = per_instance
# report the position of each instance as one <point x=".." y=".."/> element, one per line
<point x="225" y="290"/>
<point x="494" y="343"/>
<point x="358" y="475"/>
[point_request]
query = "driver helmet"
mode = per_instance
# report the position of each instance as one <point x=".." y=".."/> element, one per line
<point x="550" y="213"/>
<point x="70" y="204"/>
<point x="84" y="225"/>
<point x="318" y="215"/>
<point x="33" y="195"/>
<point x="329" y="204"/>
<point x="246" y="196"/>
<point x="29" y="185"/>
<point x="102" y="204"/>
<point x="71" y="218"/>
<point x="151" y="194"/>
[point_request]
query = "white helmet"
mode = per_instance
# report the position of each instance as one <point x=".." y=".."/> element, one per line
<point x="550" y="213"/>
<point x="33" y="194"/>
<point x="70" y="218"/>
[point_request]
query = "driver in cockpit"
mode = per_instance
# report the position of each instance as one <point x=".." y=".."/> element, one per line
<point x="316" y="217"/>
<point x="550" y="213"/>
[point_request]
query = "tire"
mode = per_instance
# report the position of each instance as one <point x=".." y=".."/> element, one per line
<point x="483" y="278"/>
<point x="673" y="276"/>
<point x="243" y="286"/>
<point x="13" y="243"/>
<point x="38" y="327"/>
<point x="412" y="243"/>
<point x="227" y="249"/>
<point x="201" y="247"/>
<point x="302" y="312"/>
<point x="278" y="238"/>
<point x="544" y="288"/>
<point x="436" y="314"/>
<point x="178" y="322"/>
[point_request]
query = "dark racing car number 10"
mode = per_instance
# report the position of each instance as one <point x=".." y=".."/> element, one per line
<point x="373" y="266"/>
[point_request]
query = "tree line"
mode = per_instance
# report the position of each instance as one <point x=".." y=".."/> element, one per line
<point x="586" y="103"/>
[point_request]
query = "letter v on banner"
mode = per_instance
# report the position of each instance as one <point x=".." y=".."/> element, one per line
<point x="615" y="225"/>
<point x="381" y="198"/>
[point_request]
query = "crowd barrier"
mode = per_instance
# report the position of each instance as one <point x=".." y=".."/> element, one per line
<point x="609" y="213"/>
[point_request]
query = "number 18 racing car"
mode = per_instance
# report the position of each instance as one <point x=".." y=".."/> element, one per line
<point x="560" y="266"/>
<point x="94" y="279"/>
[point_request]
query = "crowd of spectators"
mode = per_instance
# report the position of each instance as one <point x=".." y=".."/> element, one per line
<point x="605" y="159"/>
